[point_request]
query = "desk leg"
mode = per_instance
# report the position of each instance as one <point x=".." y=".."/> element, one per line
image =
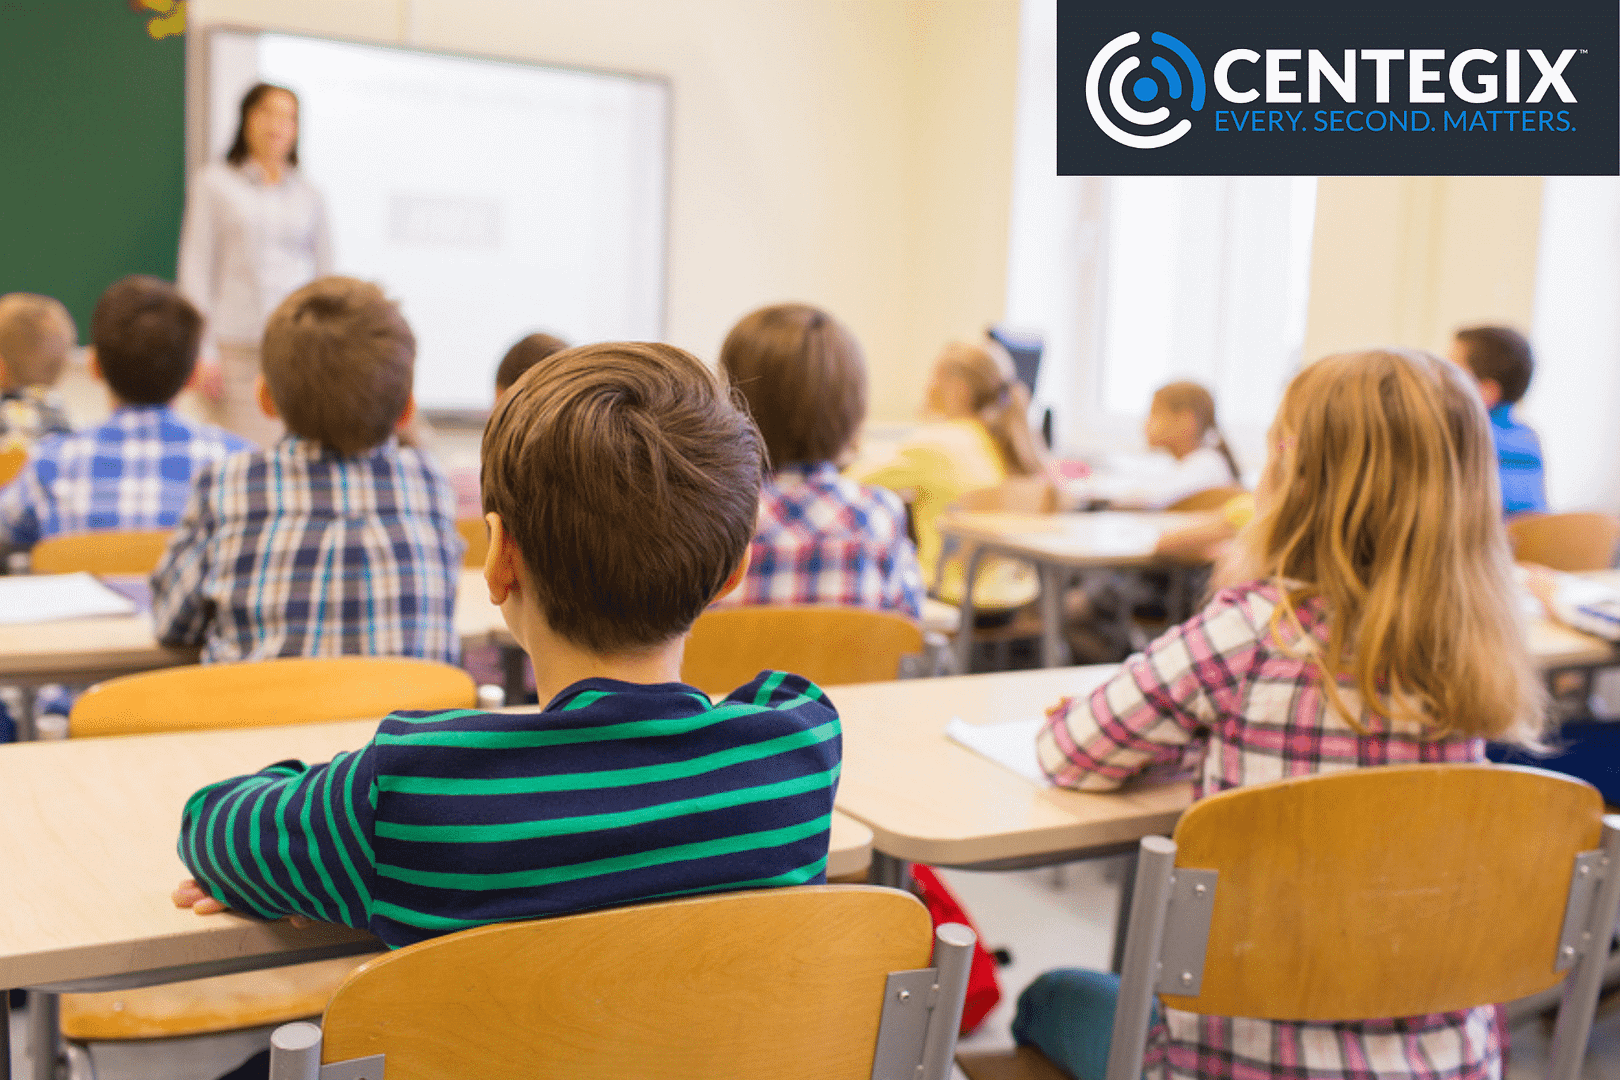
<point x="5" y="1034"/>
<point x="27" y="702"/>
<point x="1122" y="919"/>
<point x="44" y="1034"/>
<point x="513" y="670"/>
<point x="890" y="872"/>
<point x="1054" y="650"/>
<point x="964" y="628"/>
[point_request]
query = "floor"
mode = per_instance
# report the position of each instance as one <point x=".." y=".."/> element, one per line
<point x="1044" y="918"/>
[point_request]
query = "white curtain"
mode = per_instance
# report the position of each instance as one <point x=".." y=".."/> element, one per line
<point x="1135" y="281"/>
<point x="1574" y="399"/>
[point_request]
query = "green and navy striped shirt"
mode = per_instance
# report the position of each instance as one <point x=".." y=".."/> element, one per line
<point x="617" y="792"/>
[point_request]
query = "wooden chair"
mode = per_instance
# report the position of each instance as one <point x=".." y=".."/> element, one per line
<point x="476" y="533"/>
<point x="819" y="981"/>
<point x="827" y="645"/>
<point x="1380" y="892"/>
<point x="258" y="694"/>
<point x="106" y="552"/>
<point x="295" y="690"/>
<point x="11" y="464"/>
<point x="1208" y="499"/>
<point x="1570" y="542"/>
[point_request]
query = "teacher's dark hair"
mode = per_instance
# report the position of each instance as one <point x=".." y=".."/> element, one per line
<point x="238" y="152"/>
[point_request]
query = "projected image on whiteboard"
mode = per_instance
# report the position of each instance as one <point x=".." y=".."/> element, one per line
<point x="491" y="199"/>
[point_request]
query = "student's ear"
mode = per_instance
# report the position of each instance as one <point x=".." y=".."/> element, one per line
<point x="5" y="374"/>
<point x="406" y="417"/>
<point x="1491" y="391"/>
<point x="267" y="403"/>
<point x="500" y="562"/>
<point x="93" y="364"/>
<point x="737" y="575"/>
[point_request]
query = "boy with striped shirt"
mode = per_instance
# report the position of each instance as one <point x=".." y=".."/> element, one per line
<point x="620" y="484"/>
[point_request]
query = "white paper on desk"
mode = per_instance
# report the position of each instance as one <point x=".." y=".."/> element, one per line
<point x="29" y="598"/>
<point x="1010" y="745"/>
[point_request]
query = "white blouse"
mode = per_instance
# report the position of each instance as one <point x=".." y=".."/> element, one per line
<point x="246" y="243"/>
<point x="1200" y="470"/>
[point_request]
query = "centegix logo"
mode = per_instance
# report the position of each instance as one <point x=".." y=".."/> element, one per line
<point x="1177" y="90"/>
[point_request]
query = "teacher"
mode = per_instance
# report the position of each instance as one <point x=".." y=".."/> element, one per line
<point x="255" y="230"/>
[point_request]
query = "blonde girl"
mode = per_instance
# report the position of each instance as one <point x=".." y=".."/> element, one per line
<point x="978" y="436"/>
<point x="1373" y="621"/>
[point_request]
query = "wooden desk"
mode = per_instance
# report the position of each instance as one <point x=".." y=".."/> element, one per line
<point x="928" y="799"/>
<point x="1055" y="544"/>
<point x="87" y="650"/>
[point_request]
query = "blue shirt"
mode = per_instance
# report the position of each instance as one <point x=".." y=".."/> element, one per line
<point x="1518" y="454"/>
<point x="616" y="793"/>
<point x="132" y="472"/>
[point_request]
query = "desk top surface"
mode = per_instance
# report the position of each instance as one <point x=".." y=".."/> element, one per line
<point x="1103" y="538"/>
<point x="87" y="843"/>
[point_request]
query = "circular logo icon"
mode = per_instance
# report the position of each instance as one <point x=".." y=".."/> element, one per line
<point x="1172" y="74"/>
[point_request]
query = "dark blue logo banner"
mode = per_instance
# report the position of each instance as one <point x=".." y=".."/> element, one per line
<point x="1183" y="89"/>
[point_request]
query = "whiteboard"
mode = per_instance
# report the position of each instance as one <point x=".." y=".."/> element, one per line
<point x="491" y="199"/>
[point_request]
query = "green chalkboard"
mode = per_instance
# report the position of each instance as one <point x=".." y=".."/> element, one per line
<point x="92" y="145"/>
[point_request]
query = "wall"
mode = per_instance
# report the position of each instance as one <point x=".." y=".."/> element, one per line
<point x="851" y="153"/>
<point x="1408" y="259"/>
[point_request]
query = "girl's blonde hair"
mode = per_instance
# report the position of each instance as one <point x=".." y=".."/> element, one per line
<point x="1000" y="402"/>
<point x="1380" y="498"/>
<point x="1194" y="398"/>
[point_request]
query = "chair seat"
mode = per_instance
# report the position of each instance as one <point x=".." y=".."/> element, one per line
<point x="202" y="1006"/>
<point x="1024" y="1063"/>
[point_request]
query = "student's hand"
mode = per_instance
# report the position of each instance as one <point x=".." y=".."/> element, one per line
<point x="191" y="895"/>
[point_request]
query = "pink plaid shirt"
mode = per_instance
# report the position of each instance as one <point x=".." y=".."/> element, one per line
<point x="1224" y="694"/>
<point x="824" y="539"/>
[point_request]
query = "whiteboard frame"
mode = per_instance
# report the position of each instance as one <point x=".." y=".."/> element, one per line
<point x="199" y="48"/>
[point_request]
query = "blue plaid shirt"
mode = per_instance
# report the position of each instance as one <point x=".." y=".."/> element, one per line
<point x="133" y="472"/>
<point x="295" y="551"/>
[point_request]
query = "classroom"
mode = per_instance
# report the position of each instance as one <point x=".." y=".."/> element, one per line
<point x="804" y="538"/>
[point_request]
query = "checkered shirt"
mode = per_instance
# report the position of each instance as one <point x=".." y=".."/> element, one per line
<point x="1223" y="694"/>
<point x="823" y="539"/>
<point x="132" y="472"/>
<point x="295" y="551"/>
<point x="28" y="415"/>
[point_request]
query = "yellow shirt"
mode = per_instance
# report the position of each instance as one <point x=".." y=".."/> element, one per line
<point x="939" y="464"/>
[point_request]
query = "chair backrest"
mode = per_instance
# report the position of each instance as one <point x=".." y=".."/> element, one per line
<point x="1208" y="499"/>
<point x="1372" y="893"/>
<point x="476" y="533"/>
<point x="263" y="693"/>
<point x="134" y="551"/>
<point x="11" y="464"/>
<point x="1569" y="542"/>
<point x="829" y="646"/>
<point x="1016" y="495"/>
<point x="779" y="984"/>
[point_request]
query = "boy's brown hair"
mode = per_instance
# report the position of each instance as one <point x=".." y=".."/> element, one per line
<point x="523" y="356"/>
<point x="146" y="337"/>
<point x="804" y="378"/>
<point x="339" y="359"/>
<point x="628" y="478"/>
<point x="36" y="335"/>
<point x="1501" y="355"/>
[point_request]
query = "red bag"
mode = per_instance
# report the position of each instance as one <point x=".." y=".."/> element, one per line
<point x="983" y="990"/>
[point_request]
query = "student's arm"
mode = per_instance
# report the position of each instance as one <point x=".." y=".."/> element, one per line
<point x="20" y="501"/>
<point x="287" y="840"/>
<point x="902" y="584"/>
<point x="180" y="611"/>
<point x="1156" y="712"/>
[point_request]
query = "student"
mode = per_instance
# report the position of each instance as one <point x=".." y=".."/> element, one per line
<point x="135" y="470"/>
<point x="36" y="335"/>
<point x="1500" y="359"/>
<point x="1181" y="422"/>
<point x="337" y="540"/>
<point x="821" y="538"/>
<point x="1301" y="669"/>
<point x="620" y="484"/>
<point x="978" y="436"/>
<point x="523" y="356"/>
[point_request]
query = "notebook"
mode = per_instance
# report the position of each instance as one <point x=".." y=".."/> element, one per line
<point x="31" y="598"/>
